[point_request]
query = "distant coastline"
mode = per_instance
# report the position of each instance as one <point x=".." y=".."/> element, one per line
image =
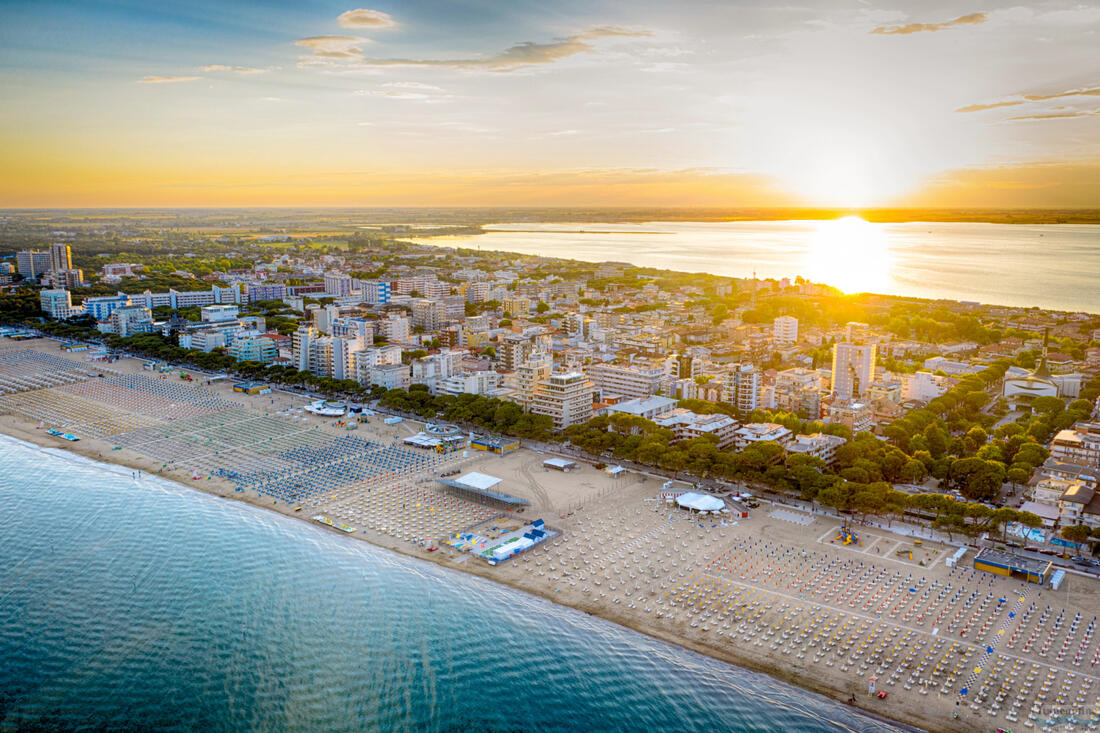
<point x="472" y="216"/>
<point x="1048" y="266"/>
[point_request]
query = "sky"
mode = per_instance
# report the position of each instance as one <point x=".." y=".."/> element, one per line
<point x="551" y="103"/>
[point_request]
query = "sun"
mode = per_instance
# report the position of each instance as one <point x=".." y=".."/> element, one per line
<point x="850" y="254"/>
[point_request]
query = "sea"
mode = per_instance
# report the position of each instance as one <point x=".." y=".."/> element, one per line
<point x="1052" y="266"/>
<point x="135" y="603"/>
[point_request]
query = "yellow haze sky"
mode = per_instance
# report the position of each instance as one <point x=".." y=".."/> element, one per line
<point x="550" y="104"/>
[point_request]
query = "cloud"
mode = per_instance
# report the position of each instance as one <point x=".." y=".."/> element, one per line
<point x="901" y="30"/>
<point x="983" y="107"/>
<point x="1054" y="116"/>
<point x="412" y="85"/>
<point x="521" y="55"/>
<point x="407" y="90"/>
<point x="235" y="69"/>
<point x="363" y="18"/>
<point x="166" y="79"/>
<point x="1090" y="92"/>
<point x="1024" y="98"/>
<point x="389" y="94"/>
<point x="333" y="47"/>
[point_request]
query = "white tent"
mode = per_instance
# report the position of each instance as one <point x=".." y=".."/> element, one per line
<point x="700" y="502"/>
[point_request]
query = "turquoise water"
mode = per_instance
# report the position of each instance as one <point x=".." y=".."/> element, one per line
<point x="1050" y="266"/>
<point x="142" y="604"/>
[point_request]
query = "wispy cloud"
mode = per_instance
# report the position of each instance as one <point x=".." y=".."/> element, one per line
<point x="413" y="91"/>
<point x="235" y="69"/>
<point x="901" y="30"/>
<point x="1025" y="98"/>
<point x="166" y="79"/>
<point x="334" y="47"/>
<point x="516" y="57"/>
<point x="983" y="107"/>
<point x="1088" y="92"/>
<point x="1055" y="116"/>
<point x="363" y="18"/>
<point x="412" y="85"/>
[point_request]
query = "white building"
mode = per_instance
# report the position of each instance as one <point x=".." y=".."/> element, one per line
<point x="378" y="355"/>
<point x="395" y="329"/>
<point x="218" y="313"/>
<point x="686" y="425"/>
<point x="785" y="330"/>
<point x="858" y="416"/>
<point x="1079" y="444"/>
<point x="565" y="398"/>
<point x="536" y="369"/>
<point x="338" y="285"/>
<point x="742" y="388"/>
<point x="128" y="321"/>
<point x="434" y="368"/>
<point x="58" y="304"/>
<point x="818" y="445"/>
<point x="204" y="340"/>
<point x="324" y="318"/>
<point x="950" y="367"/>
<point x="923" y="386"/>
<point x="430" y="315"/>
<point x="481" y="382"/>
<point x="799" y="390"/>
<point x="390" y="376"/>
<point x="325" y="356"/>
<point x="626" y="381"/>
<point x="358" y="329"/>
<point x="761" y="432"/>
<point x="31" y="263"/>
<point x="853" y="369"/>
<point x="647" y="407"/>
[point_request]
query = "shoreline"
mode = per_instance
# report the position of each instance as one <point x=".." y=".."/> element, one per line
<point x="19" y="430"/>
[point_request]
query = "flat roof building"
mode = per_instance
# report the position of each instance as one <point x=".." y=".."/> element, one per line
<point x="1013" y="566"/>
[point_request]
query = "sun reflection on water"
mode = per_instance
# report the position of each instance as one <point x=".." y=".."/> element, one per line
<point x="851" y="254"/>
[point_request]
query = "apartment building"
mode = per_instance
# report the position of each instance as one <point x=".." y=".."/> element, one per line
<point x="1079" y="444"/>
<point x="686" y="425"/>
<point x="565" y="398"/>
<point x="626" y="380"/>
<point x="853" y="370"/>
<point x="742" y="388"/>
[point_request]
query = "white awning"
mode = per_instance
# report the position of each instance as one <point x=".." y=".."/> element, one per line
<point x="475" y="480"/>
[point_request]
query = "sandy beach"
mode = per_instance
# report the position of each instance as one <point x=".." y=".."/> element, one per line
<point x="776" y="592"/>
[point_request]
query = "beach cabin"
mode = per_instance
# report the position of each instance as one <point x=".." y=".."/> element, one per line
<point x="1014" y="566"/>
<point x="500" y="446"/>
<point x="252" y="388"/>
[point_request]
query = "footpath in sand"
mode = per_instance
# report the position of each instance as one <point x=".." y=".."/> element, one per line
<point x="776" y="592"/>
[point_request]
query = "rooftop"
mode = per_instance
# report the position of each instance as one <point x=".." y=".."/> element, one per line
<point x="1013" y="562"/>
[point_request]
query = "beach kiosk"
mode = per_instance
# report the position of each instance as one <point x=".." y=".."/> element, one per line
<point x="559" y="464"/>
<point x="1014" y="566"/>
